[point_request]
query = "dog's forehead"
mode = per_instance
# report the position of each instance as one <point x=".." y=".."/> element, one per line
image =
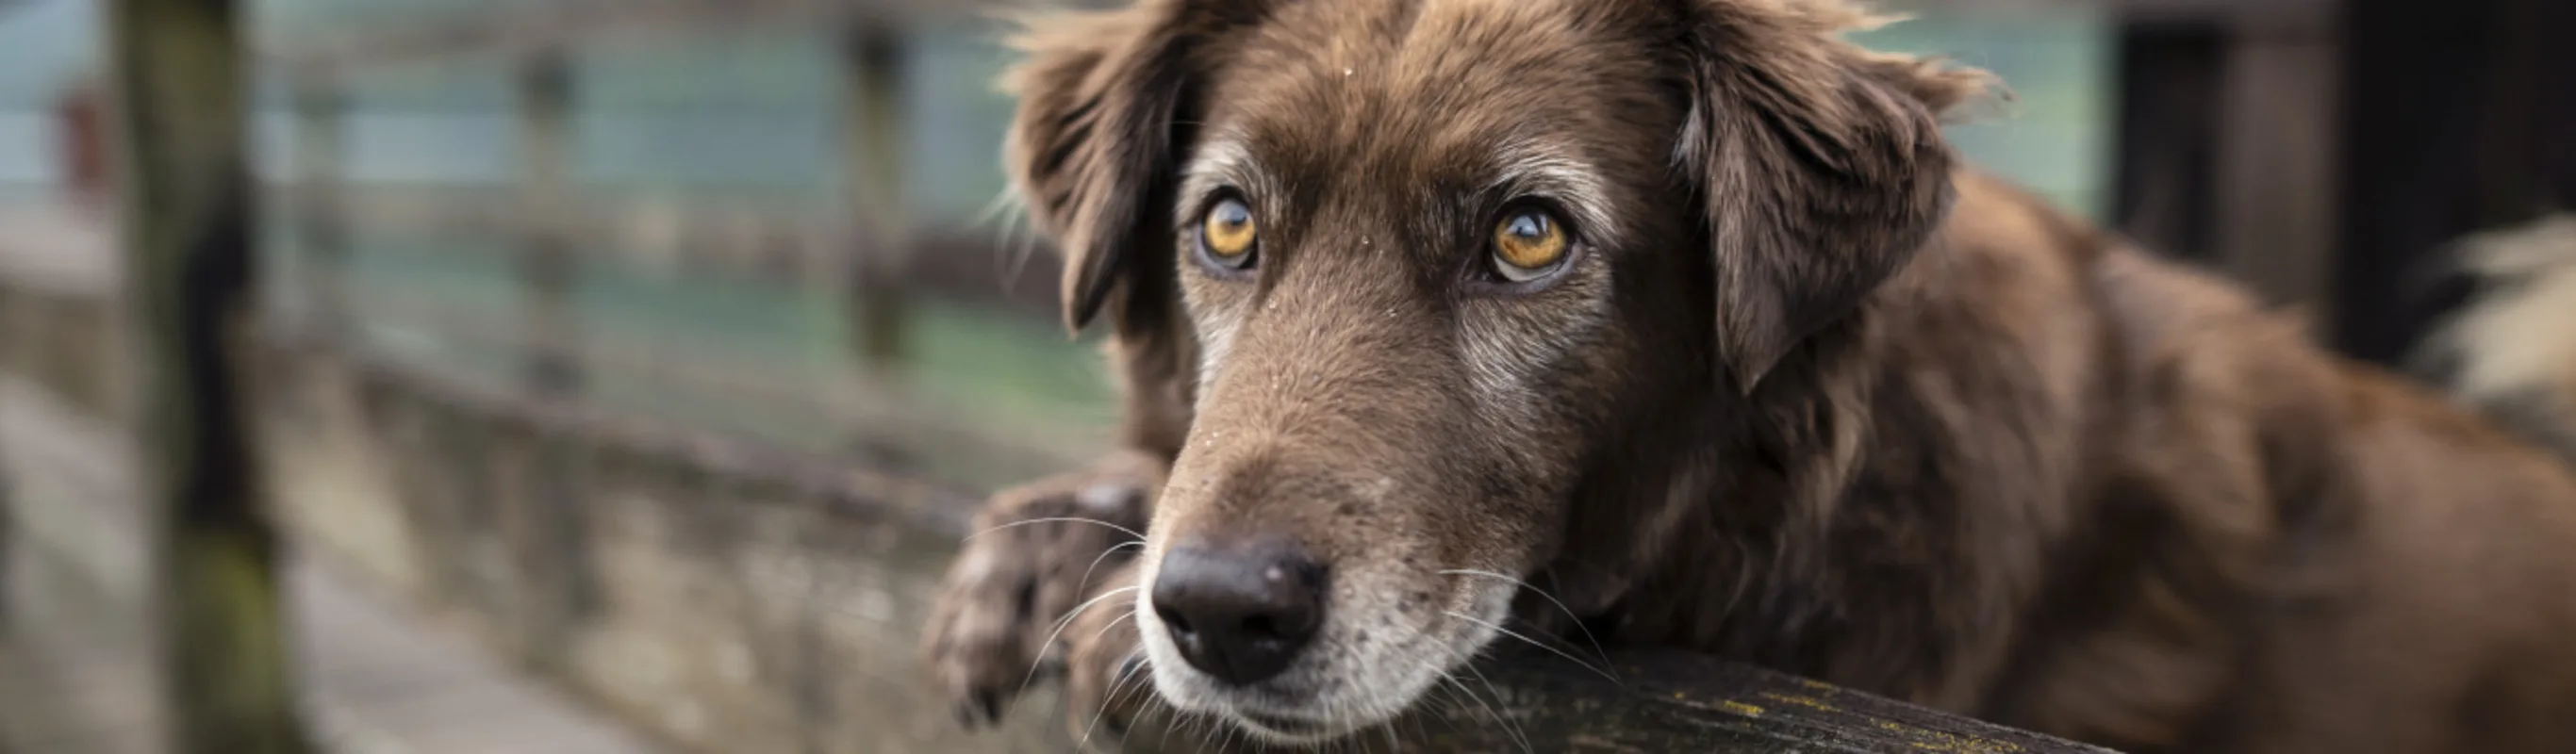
<point x="1440" y="90"/>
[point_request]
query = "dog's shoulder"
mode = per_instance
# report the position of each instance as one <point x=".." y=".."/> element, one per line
<point x="2296" y="477"/>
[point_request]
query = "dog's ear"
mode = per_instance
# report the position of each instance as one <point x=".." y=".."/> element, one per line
<point x="1093" y="146"/>
<point x="1821" y="164"/>
<point x="1094" y="149"/>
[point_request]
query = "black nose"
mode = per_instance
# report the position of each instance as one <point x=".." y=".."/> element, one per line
<point x="1240" y="614"/>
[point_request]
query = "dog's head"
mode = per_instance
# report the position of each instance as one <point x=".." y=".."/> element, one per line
<point x="1417" y="272"/>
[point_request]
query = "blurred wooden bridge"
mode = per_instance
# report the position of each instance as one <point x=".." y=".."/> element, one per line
<point x="504" y="523"/>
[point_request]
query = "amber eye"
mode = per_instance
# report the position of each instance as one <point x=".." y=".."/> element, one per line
<point x="1528" y="244"/>
<point x="1227" y="233"/>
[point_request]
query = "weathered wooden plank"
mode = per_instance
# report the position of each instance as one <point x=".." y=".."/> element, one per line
<point x="1659" y="701"/>
<point x="189" y="234"/>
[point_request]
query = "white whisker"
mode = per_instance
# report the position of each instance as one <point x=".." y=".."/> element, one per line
<point x="1533" y="642"/>
<point x="1104" y="555"/>
<point x="1466" y="660"/>
<point x="1509" y="730"/>
<point x="1056" y="519"/>
<point x="1113" y="623"/>
<point x="1108" y="698"/>
<point x="1542" y="593"/>
<point x="1061" y="625"/>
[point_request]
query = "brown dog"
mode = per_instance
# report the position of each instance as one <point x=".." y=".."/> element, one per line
<point x="1682" y="310"/>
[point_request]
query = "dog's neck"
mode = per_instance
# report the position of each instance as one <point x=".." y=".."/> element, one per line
<point x="1818" y="525"/>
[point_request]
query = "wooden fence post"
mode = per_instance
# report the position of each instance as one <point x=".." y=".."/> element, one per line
<point x="188" y="233"/>
<point x="547" y="264"/>
<point x="2169" y="77"/>
<point x="321" y="124"/>
<point x="2276" y="166"/>
<point x="8" y="504"/>
<point x="2225" y="143"/>
<point x="8" y="510"/>
<point x="874" y="143"/>
<point x="552" y="531"/>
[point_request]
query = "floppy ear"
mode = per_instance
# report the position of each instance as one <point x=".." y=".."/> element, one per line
<point x="1822" y="166"/>
<point x="1094" y="150"/>
<point x="1093" y="146"/>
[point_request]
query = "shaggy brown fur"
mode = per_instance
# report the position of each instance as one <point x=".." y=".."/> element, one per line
<point x="1805" y="393"/>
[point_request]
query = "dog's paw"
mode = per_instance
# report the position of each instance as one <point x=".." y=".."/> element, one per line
<point x="1037" y="553"/>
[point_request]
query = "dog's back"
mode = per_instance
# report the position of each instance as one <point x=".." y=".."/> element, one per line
<point x="2327" y="558"/>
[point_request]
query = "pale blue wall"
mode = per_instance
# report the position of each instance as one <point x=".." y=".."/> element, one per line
<point x="2055" y="136"/>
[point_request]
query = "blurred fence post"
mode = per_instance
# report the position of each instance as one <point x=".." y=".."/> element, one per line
<point x="555" y="530"/>
<point x="8" y="509"/>
<point x="874" y="141"/>
<point x="2225" y="141"/>
<point x="547" y="265"/>
<point x="2169" y="74"/>
<point x="188" y="237"/>
<point x="321" y="107"/>
<point x="2457" y="121"/>
<point x="2275" y="174"/>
